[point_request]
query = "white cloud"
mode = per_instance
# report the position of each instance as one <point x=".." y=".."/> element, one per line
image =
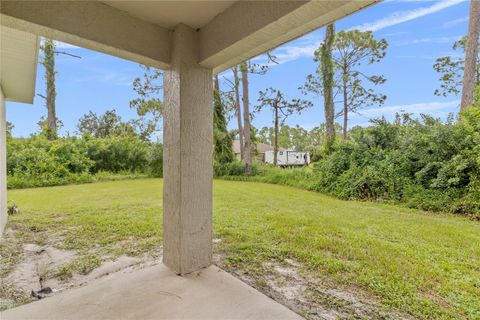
<point x="306" y="47"/>
<point x="302" y="48"/>
<point x="449" y="40"/>
<point x="310" y="43"/>
<point x="454" y="22"/>
<point x="395" y="34"/>
<point x="404" y="16"/>
<point x="434" y="108"/>
<point x="289" y="53"/>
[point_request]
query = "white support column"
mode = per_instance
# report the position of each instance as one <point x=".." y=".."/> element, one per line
<point x="3" y="163"/>
<point x="188" y="156"/>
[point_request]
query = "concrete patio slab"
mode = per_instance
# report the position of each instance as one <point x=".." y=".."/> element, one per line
<point x="157" y="293"/>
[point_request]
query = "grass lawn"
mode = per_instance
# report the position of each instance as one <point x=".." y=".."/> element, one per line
<point x="420" y="264"/>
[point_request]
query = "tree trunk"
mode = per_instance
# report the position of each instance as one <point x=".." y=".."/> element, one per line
<point x="246" y="120"/>
<point x="327" y="73"/>
<point x="216" y="84"/>
<point x="238" y="112"/>
<point x="345" y="106"/>
<point x="275" y="142"/>
<point x="49" y="63"/>
<point x="471" y="54"/>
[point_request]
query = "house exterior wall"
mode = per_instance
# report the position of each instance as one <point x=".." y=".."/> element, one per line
<point x="3" y="163"/>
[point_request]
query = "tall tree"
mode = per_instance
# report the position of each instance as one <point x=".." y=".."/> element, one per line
<point x="107" y="125"/>
<point x="450" y="70"/>
<point x="10" y="127"/>
<point x="296" y="137"/>
<point x="223" y="152"/>
<point x="327" y="74"/>
<point x="471" y="55"/>
<point x="265" y="135"/>
<point x="238" y="111"/>
<point x="246" y="119"/>
<point x="281" y="109"/>
<point x="148" y="104"/>
<point x="48" y="62"/>
<point x="351" y="50"/>
<point x="247" y="67"/>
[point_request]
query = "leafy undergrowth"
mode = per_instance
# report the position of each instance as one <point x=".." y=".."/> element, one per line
<point x="21" y="182"/>
<point x="419" y="264"/>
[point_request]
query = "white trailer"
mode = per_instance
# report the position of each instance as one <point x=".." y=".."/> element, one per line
<point x="288" y="158"/>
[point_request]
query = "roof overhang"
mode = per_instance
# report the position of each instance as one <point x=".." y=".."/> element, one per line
<point x="18" y="64"/>
<point x="228" y="31"/>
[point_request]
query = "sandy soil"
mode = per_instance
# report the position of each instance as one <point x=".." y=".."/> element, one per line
<point x="285" y="282"/>
<point x="34" y="272"/>
<point x="314" y="298"/>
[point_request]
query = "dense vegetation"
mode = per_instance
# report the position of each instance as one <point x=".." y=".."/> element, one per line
<point x="424" y="163"/>
<point x="37" y="161"/>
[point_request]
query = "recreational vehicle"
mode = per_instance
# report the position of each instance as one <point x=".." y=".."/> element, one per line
<point x="288" y="158"/>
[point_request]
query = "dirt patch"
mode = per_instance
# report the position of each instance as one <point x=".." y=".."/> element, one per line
<point x="37" y="262"/>
<point x="314" y="298"/>
<point x="37" y="267"/>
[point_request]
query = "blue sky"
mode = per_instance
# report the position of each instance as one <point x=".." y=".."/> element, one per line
<point x="417" y="32"/>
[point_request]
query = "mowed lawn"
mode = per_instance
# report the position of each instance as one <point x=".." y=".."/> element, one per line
<point x="425" y="265"/>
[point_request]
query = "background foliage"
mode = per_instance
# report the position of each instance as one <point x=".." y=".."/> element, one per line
<point x="37" y="161"/>
<point x="424" y="163"/>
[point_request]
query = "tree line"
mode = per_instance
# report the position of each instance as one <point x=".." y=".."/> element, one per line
<point x="340" y="79"/>
<point x="424" y="163"/>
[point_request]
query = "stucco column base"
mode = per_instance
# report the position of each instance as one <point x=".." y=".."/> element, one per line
<point x="188" y="156"/>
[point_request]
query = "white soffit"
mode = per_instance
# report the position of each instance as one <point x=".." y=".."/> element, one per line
<point x="18" y="64"/>
<point x="168" y="14"/>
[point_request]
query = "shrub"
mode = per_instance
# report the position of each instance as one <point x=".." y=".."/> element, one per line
<point x="155" y="160"/>
<point x="235" y="168"/>
<point x="116" y="154"/>
<point x="37" y="161"/>
<point x="424" y="163"/>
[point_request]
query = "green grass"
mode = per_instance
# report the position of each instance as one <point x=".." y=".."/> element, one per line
<point x="426" y="265"/>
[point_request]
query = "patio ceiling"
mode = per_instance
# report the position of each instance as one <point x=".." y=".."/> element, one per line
<point x="228" y="31"/>
<point x="167" y="14"/>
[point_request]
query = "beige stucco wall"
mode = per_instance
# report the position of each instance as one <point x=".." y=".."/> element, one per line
<point x="3" y="163"/>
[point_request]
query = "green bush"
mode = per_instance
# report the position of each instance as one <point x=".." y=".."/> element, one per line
<point x="235" y="168"/>
<point x="424" y="163"/>
<point x="155" y="160"/>
<point x="116" y="154"/>
<point x="37" y="161"/>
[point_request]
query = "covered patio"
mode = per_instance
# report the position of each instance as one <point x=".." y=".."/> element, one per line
<point x="191" y="41"/>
